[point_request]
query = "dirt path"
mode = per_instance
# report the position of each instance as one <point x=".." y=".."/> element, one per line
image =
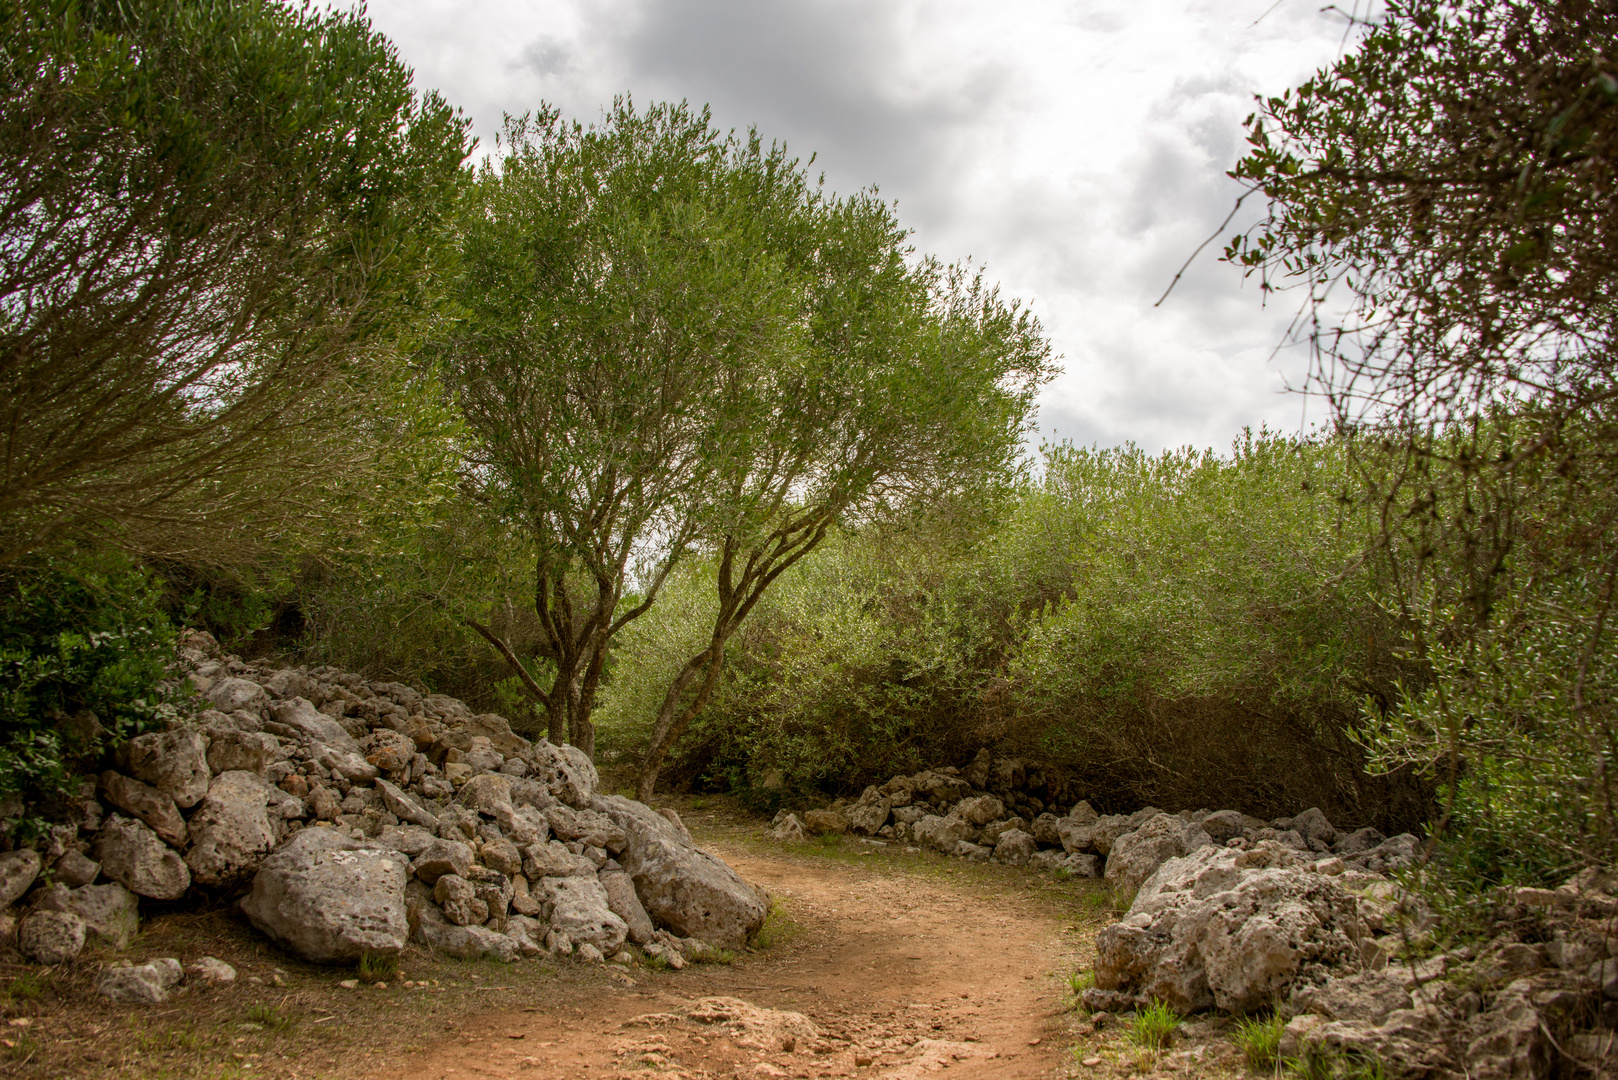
<point x="904" y="974"/>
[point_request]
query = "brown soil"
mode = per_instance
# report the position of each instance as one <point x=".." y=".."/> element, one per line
<point x="913" y="962"/>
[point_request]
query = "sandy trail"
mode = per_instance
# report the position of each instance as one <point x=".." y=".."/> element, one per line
<point x="904" y="974"/>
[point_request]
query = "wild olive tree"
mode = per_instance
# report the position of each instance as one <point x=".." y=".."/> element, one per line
<point x="1445" y="198"/>
<point x="215" y="215"/>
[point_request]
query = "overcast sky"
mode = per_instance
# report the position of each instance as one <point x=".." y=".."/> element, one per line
<point x="1076" y="148"/>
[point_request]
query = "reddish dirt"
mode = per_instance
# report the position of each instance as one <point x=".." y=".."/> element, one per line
<point x="904" y="973"/>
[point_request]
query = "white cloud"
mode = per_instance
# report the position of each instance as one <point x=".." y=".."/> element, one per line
<point x="1077" y="148"/>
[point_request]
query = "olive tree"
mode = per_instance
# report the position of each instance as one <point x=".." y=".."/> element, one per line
<point x="673" y="342"/>
<point x="215" y="218"/>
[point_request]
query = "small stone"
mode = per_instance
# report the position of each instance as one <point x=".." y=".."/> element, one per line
<point x="349" y="984"/>
<point x="624" y="957"/>
<point x="18" y="869"/>
<point x="863" y="1061"/>
<point x="211" y="970"/>
<point x="1090" y="1062"/>
<point x="590" y="954"/>
<point x="75" y="868"/>
<point x="142" y="984"/>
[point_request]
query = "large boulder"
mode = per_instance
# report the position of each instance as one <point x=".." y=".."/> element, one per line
<point x="231" y="831"/>
<point x="144" y="801"/>
<point x="1014" y="847"/>
<point x="174" y="762"/>
<point x="131" y="854"/>
<point x="110" y="913"/>
<point x="231" y="694"/>
<point x="870" y="813"/>
<point x="1137" y="855"/>
<point x="566" y="772"/>
<point x="681" y="887"/>
<point x="331" y="899"/>
<point x="580" y="908"/>
<point x="825" y="822"/>
<point x="980" y="810"/>
<point x="1236" y="929"/>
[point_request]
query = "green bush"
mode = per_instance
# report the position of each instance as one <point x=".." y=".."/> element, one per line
<point x="85" y="649"/>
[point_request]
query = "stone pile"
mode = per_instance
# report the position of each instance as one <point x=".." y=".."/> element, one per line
<point x="358" y="815"/>
<point x="985" y="812"/>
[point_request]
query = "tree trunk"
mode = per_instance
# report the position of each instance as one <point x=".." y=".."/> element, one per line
<point x="672" y="720"/>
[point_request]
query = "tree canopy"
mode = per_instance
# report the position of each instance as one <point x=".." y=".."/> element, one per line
<point x="673" y="341"/>
<point x="217" y="214"/>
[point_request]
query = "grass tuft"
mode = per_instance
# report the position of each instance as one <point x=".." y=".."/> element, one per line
<point x="1078" y="981"/>
<point x="1152" y="1029"/>
<point x="778" y="929"/>
<point x="1259" y="1040"/>
<point x="27" y="987"/>
<point x="378" y="967"/>
<point x="1336" y="1067"/>
<point x="269" y="1016"/>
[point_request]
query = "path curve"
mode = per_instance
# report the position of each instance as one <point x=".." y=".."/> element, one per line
<point x="906" y="974"/>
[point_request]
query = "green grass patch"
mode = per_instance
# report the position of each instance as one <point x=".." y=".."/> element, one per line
<point x="1336" y="1067"/>
<point x="378" y="967"/>
<point x="779" y="929"/>
<point x="1152" y="1028"/>
<point x="1078" y="981"/>
<point x="28" y="987"/>
<point x="269" y="1017"/>
<point x="1259" y="1040"/>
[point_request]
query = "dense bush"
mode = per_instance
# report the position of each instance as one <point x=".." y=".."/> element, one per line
<point x="85" y="647"/>
<point x="1185" y="629"/>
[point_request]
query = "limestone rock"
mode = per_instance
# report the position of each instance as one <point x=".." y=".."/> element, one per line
<point x="1014" y="847"/>
<point x="623" y="902"/>
<point x="589" y="827"/>
<point x="552" y="859"/>
<point x="110" y="913"/>
<point x="75" y="868"/>
<point x="232" y="750"/>
<point x="174" y="762"/>
<point x="443" y="857"/>
<point x="51" y="937"/>
<point x="488" y="794"/>
<point x="404" y="807"/>
<point x="790" y="830"/>
<point x="143" y="801"/>
<point x="566" y="772"/>
<point x="769" y="1031"/>
<point x="1360" y="840"/>
<point x="980" y="810"/>
<point x="210" y="969"/>
<point x="825" y="823"/>
<point x="390" y="751"/>
<point x="681" y="887"/>
<point x="580" y="909"/>
<point x="1136" y="855"/>
<point x="869" y="814"/>
<point x="1087" y="866"/>
<point x="1223" y="825"/>
<point x="467" y="942"/>
<point x="1312" y="825"/>
<point x="942" y="833"/>
<point x="18" y="869"/>
<point x="459" y="901"/>
<point x="231" y="694"/>
<point x="408" y="840"/>
<point x="1228" y="928"/>
<point x="330" y="899"/>
<point x="230" y="832"/>
<point x="346" y="763"/>
<point x="131" y="854"/>
<point x="502" y="855"/>
<point x="144" y="984"/>
<point x="311" y="724"/>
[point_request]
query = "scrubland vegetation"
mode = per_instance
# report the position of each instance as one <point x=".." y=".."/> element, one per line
<point x="638" y="436"/>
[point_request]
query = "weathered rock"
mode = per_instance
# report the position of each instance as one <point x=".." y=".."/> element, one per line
<point x="1312" y="825"/>
<point x="980" y="810"/>
<point x="144" y="984"/>
<point x="145" y="802"/>
<point x="323" y="803"/>
<point x="467" y="942"/>
<point x="51" y="937"/>
<point x="623" y="902"/>
<point x="311" y="724"/>
<point x="329" y="898"/>
<point x="580" y="908"/>
<point x="231" y="694"/>
<point x="1044" y="830"/>
<point x="110" y="913"/>
<point x="790" y="830"/>
<point x="681" y="887"/>
<point x="553" y="859"/>
<point x="1014" y="847"/>
<point x="825" y="822"/>
<point x="443" y="857"/>
<point x="1088" y="866"/>
<point x="345" y="763"/>
<point x="942" y="833"/>
<point x="174" y="762"/>
<point x="75" y="868"/>
<point x="1228" y="928"/>
<point x="1222" y="825"/>
<point x="209" y="969"/>
<point x="589" y="827"/>
<point x="488" y="794"/>
<point x="404" y="807"/>
<point x="502" y="855"/>
<point x="230" y="832"/>
<point x="18" y="870"/>
<point x="1136" y="855"/>
<point x="390" y="751"/>
<point x="408" y="840"/>
<point x="1360" y="840"/>
<point x="869" y="814"/>
<point x="232" y="750"/>
<point x="459" y="901"/>
<point x="131" y="854"/>
<point x="566" y="772"/>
